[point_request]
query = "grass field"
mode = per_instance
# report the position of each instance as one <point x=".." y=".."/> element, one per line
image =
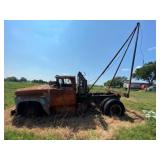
<point x="10" y="88"/>
<point x="93" y="125"/>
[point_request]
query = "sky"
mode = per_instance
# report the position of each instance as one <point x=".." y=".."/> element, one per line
<point x="43" y="49"/>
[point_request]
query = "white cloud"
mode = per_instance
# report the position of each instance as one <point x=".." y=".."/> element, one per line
<point x="125" y="69"/>
<point x="151" y="49"/>
<point x="138" y="67"/>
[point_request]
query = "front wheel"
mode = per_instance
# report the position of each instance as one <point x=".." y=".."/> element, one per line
<point x="114" y="107"/>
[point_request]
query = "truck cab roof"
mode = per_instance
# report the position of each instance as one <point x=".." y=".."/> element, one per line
<point x="64" y="76"/>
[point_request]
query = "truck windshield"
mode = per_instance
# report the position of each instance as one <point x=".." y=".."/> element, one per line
<point x="67" y="81"/>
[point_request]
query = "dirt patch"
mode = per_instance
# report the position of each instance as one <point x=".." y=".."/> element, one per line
<point x="92" y="125"/>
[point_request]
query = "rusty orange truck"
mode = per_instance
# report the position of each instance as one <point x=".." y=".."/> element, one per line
<point x="65" y="96"/>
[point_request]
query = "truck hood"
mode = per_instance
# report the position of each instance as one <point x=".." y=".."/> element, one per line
<point x="35" y="90"/>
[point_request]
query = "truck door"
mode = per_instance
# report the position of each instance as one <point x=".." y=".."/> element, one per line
<point x="64" y="97"/>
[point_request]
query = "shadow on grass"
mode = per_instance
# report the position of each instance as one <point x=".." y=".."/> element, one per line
<point x="80" y="122"/>
<point x="132" y="116"/>
<point x="88" y="120"/>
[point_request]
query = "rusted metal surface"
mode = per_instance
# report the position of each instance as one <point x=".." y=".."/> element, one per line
<point x="35" y="90"/>
<point x="58" y="98"/>
<point x="63" y="100"/>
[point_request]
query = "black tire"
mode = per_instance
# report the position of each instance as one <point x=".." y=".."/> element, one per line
<point x="114" y="107"/>
<point x="103" y="103"/>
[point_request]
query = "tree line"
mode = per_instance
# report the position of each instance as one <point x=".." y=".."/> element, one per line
<point x="23" y="79"/>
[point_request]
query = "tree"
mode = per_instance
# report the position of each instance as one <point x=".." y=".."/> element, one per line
<point x="38" y="81"/>
<point x="147" y="72"/>
<point x="23" y="79"/>
<point x="12" y="79"/>
<point x="117" y="82"/>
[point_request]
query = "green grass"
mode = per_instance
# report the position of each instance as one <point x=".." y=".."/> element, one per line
<point x="138" y="101"/>
<point x="141" y="100"/>
<point x="105" y="89"/>
<point x="146" y="131"/>
<point x="10" y="134"/>
<point x="10" y="88"/>
<point x="98" y="89"/>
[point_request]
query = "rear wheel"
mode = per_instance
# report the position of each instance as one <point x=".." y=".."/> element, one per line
<point x="103" y="103"/>
<point x="114" y="107"/>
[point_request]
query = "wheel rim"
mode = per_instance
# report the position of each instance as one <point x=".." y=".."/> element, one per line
<point x="115" y="110"/>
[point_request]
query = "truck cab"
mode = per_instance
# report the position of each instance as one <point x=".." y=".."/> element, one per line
<point x="63" y="95"/>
